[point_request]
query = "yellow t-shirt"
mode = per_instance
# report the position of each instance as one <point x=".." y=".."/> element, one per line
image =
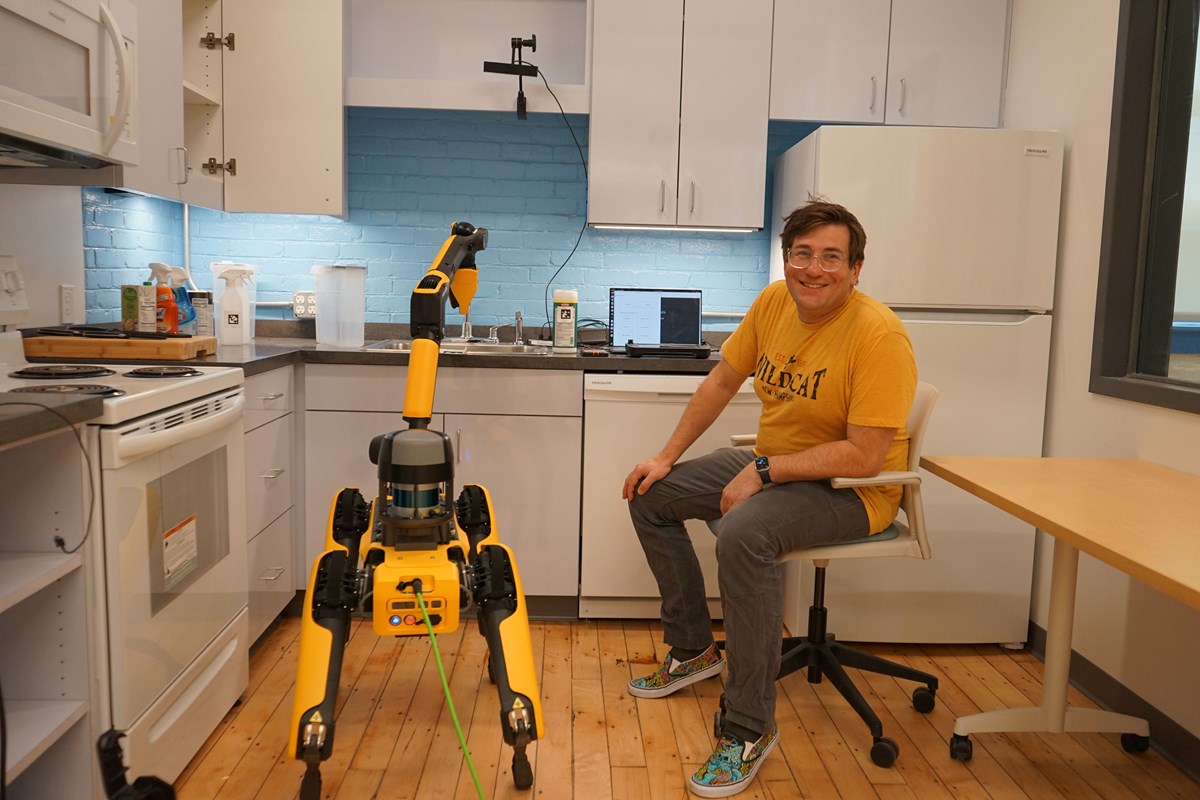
<point x="857" y="367"/>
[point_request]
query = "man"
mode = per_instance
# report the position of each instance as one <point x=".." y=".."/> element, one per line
<point x="835" y="372"/>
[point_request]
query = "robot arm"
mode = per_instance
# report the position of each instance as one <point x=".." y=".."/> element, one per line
<point x="403" y="551"/>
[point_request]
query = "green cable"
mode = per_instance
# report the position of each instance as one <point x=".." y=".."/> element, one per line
<point x="462" y="742"/>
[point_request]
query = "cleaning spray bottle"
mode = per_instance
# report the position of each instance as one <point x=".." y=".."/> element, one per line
<point x="235" y="323"/>
<point x="165" y="309"/>
<point x="179" y="278"/>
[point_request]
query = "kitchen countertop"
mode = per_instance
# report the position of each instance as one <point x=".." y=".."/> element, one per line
<point x="267" y="353"/>
<point x="24" y="416"/>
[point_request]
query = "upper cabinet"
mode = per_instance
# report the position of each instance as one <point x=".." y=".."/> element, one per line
<point x="430" y="54"/>
<point x="898" y="62"/>
<point x="680" y="92"/>
<point x="244" y="113"/>
<point x="263" y="106"/>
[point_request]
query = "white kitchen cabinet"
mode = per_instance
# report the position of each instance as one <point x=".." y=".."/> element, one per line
<point x="271" y="483"/>
<point x="45" y="666"/>
<point x="517" y="432"/>
<point x="678" y="126"/>
<point x="898" y="62"/>
<point x="263" y="114"/>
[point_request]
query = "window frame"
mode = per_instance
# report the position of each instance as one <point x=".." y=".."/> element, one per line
<point x="1138" y="262"/>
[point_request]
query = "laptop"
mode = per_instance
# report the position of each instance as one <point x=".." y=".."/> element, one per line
<point x="655" y="322"/>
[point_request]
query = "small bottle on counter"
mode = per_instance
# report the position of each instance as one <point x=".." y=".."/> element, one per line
<point x="566" y="320"/>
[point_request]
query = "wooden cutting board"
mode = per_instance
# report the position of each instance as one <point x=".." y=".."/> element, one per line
<point x="90" y="347"/>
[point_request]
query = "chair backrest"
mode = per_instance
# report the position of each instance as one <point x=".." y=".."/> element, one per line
<point x="918" y="422"/>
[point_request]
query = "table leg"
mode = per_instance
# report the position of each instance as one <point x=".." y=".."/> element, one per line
<point x="1052" y="715"/>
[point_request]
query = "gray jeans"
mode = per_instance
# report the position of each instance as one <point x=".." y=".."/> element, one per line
<point x="753" y="535"/>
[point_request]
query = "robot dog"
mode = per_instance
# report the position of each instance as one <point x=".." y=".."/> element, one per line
<point x="410" y="558"/>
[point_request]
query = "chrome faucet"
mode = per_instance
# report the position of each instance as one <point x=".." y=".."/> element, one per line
<point x="519" y="333"/>
<point x="494" y="333"/>
<point x="466" y="327"/>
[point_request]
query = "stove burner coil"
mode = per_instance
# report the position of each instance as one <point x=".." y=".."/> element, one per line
<point x="163" y="372"/>
<point x="72" y="388"/>
<point x="60" y="371"/>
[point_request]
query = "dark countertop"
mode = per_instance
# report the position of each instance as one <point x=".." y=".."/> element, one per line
<point x="267" y="353"/>
<point x="24" y="416"/>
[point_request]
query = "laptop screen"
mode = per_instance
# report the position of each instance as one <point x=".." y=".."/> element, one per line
<point x="654" y="316"/>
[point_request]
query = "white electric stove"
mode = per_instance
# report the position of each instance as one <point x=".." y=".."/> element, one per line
<point x="168" y="546"/>
<point x="129" y="390"/>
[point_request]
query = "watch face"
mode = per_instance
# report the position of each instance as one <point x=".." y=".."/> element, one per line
<point x="761" y="464"/>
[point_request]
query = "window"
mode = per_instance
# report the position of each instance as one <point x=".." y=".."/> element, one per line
<point x="1147" y="336"/>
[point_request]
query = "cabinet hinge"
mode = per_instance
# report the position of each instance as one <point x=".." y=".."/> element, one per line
<point x="212" y="166"/>
<point x="212" y="41"/>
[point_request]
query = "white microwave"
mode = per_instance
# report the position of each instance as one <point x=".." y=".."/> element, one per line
<point x="68" y="83"/>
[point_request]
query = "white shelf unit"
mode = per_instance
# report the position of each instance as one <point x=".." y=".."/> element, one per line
<point x="45" y="665"/>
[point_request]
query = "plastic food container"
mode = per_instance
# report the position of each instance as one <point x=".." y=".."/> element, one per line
<point x="341" y="304"/>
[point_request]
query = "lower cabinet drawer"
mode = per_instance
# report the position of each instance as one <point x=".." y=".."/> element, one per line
<point x="271" y="582"/>
<point x="268" y="473"/>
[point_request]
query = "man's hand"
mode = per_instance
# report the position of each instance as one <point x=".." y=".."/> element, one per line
<point x="746" y="483"/>
<point x="648" y="473"/>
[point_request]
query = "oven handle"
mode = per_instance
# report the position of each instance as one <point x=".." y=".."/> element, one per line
<point x="132" y="447"/>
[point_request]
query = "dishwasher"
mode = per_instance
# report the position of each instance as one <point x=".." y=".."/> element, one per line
<point x="628" y="418"/>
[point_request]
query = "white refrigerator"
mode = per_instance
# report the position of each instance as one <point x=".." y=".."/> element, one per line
<point x="962" y="242"/>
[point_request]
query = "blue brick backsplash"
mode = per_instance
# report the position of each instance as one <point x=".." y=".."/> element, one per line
<point x="411" y="172"/>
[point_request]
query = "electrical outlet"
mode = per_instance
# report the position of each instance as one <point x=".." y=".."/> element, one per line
<point x="66" y="303"/>
<point x="304" y="304"/>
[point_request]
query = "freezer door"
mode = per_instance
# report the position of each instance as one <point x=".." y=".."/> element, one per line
<point x="992" y="374"/>
<point x="954" y="217"/>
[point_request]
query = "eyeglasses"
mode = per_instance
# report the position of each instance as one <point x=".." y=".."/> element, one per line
<point x="829" y="261"/>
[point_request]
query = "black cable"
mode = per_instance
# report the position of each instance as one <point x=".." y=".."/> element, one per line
<point x="583" y="161"/>
<point x="59" y="542"/>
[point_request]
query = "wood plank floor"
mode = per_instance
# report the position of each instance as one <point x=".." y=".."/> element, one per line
<point x="395" y="737"/>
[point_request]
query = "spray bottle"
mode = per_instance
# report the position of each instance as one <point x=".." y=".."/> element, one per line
<point x="235" y="323"/>
<point x="165" y="309"/>
<point x="179" y="279"/>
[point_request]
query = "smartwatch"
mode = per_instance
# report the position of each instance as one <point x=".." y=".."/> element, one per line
<point x="764" y="469"/>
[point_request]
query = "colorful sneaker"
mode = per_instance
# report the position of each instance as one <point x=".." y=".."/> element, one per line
<point x="732" y="766"/>
<point x="674" y="675"/>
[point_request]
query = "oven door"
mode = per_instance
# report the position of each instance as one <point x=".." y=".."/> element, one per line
<point x="173" y="496"/>
<point x="67" y="79"/>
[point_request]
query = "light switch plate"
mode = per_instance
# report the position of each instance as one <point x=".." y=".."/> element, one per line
<point x="14" y="304"/>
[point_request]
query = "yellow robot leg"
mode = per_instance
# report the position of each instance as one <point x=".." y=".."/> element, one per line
<point x="504" y="622"/>
<point x="332" y="596"/>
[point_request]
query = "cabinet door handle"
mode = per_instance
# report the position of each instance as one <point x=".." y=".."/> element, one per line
<point x="871" y="107"/>
<point x="903" y="94"/>
<point x="271" y="474"/>
<point x="458" y="446"/>
<point x="271" y="574"/>
<point x="270" y="396"/>
<point x="692" y="210"/>
<point x="183" y="165"/>
<point x="662" y="196"/>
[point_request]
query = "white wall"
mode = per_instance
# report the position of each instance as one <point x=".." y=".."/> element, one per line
<point x="42" y="227"/>
<point x="1060" y="66"/>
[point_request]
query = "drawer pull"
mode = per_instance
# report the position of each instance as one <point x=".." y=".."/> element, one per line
<point x="271" y="574"/>
<point x="270" y="396"/>
<point x="271" y="474"/>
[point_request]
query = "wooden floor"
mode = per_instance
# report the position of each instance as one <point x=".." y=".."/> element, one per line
<point x="395" y="738"/>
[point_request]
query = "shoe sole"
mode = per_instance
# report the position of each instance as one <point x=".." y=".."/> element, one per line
<point x="729" y="790"/>
<point x="678" y="683"/>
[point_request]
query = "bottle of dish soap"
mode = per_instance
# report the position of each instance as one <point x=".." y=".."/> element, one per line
<point x="235" y="323"/>
<point x="165" y="309"/>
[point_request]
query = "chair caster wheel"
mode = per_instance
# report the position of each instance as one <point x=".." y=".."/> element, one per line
<point x="718" y="724"/>
<point x="923" y="699"/>
<point x="961" y="747"/>
<point x="884" y="752"/>
<point x="1134" y="743"/>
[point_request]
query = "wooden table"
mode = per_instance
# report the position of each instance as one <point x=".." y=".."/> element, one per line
<point x="1134" y="515"/>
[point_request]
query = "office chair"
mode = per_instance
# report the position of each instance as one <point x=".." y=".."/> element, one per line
<point x="817" y="650"/>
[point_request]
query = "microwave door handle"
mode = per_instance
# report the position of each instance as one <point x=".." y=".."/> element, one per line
<point x="125" y="88"/>
<point x="161" y="440"/>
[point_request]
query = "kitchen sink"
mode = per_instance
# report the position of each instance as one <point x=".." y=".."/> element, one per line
<point x="464" y="348"/>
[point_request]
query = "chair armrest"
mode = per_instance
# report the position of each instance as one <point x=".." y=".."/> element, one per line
<point x="743" y="439"/>
<point x="886" y="478"/>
